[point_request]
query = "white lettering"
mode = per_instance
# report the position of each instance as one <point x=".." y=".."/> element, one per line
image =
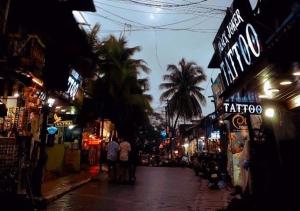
<point x="238" y="107"/>
<point x="226" y="106"/>
<point x="253" y="40"/>
<point x="234" y="47"/>
<point x="245" y="50"/>
<point x="222" y="66"/>
<point x="229" y="71"/>
<point x="251" y="109"/>
<point x="229" y="55"/>
<point x="258" y="109"/>
<point x="234" y="23"/>
<point x="232" y="109"/>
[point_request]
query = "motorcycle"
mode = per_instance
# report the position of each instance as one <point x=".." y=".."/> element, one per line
<point x="213" y="174"/>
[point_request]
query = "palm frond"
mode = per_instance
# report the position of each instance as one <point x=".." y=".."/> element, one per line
<point x="167" y="94"/>
<point x="168" y="85"/>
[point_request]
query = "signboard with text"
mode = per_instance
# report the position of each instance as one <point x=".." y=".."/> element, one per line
<point x="74" y="82"/>
<point x="250" y="108"/>
<point x="237" y="42"/>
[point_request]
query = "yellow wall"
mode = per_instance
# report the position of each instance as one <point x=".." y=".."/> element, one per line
<point x="55" y="158"/>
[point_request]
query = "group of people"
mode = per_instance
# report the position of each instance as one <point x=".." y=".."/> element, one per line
<point x="121" y="158"/>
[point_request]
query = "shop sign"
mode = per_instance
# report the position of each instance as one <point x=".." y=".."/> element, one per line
<point x="52" y="130"/>
<point x="242" y="108"/>
<point x="73" y="84"/>
<point x="238" y="123"/>
<point x="237" y="42"/>
<point x="63" y="123"/>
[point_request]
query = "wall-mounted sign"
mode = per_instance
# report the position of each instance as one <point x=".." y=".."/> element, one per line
<point x="237" y="42"/>
<point x="73" y="84"/>
<point x="242" y="108"/>
<point x="64" y="123"/>
<point x="238" y="122"/>
<point x="52" y="130"/>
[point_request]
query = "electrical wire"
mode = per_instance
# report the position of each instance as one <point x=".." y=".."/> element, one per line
<point x="144" y="26"/>
<point x="149" y="12"/>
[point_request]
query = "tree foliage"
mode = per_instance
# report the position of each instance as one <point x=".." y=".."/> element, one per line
<point x="119" y="92"/>
<point x="182" y="91"/>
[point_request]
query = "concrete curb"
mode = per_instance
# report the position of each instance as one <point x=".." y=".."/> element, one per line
<point x="50" y="198"/>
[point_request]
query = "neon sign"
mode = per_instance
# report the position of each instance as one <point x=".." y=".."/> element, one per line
<point x="237" y="42"/>
<point x="73" y="84"/>
<point x="242" y="108"/>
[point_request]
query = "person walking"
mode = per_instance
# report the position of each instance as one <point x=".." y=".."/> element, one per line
<point x="103" y="155"/>
<point x="112" y="157"/>
<point x="133" y="161"/>
<point x="125" y="148"/>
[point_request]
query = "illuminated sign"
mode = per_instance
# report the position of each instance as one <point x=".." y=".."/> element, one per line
<point x="52" y="130"/>
<point x="163" y="134"/>
<point x="238" y="123"/>
<point x="237" y="42"/>
<point x="73" y="84"/>
<point x="63" y="123"/>
<point x="242" y="108"/>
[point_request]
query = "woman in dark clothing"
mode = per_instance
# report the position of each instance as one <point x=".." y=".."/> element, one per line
<point x="133" y="161"/>
<point x="103" y="155"/>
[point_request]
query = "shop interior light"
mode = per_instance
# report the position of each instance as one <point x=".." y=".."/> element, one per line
<point x="264" y="97"/>
<point x="186" y="145"/>
<point x="274" y="90"/>
<point x="50" y="101"/>
<point x="267" y="87"/>
<point x="296" y="101"/>
<point x="1" y="102"/>
<point x="297" y="73"/>
<point x="284" y="83"/>
<point x="63" y="110"/>
<point x="38" y="81"/>
<point x="73" y="110"/>
<point x="58" y="107"/>
<point x="270" y="112"/>
<point x="16" y="94"/>
<point x="221" y="121"/>
<point x="71" y="127"/>
<point x="202" y="137"/>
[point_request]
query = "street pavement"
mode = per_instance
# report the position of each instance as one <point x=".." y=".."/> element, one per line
<point x="156" y="188"/>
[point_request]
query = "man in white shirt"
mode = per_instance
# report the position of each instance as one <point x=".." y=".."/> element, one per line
<point x="125" y="148"/>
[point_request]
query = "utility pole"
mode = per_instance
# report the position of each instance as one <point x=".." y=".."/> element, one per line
<point x="168" y="126"/>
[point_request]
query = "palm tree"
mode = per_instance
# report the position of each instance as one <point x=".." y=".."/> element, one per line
<point x="182" y="91"/>
<point x="120" y="92"/>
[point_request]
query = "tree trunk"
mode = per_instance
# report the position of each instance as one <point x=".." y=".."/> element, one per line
<point x="173" y="133"/>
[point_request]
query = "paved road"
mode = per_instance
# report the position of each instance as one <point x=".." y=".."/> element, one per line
<point x="157" y="188"/>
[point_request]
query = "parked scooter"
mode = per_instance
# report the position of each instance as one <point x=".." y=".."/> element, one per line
<point x="213" y="174"/>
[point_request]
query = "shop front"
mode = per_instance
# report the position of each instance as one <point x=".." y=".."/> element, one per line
<point x="95" y="138"/>
<point x="21" y="99"/>
<point x="260" y="72"/>
<point x="64" y="131"/>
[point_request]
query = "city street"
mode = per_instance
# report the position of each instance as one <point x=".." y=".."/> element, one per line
<point x="157" y="188"/>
